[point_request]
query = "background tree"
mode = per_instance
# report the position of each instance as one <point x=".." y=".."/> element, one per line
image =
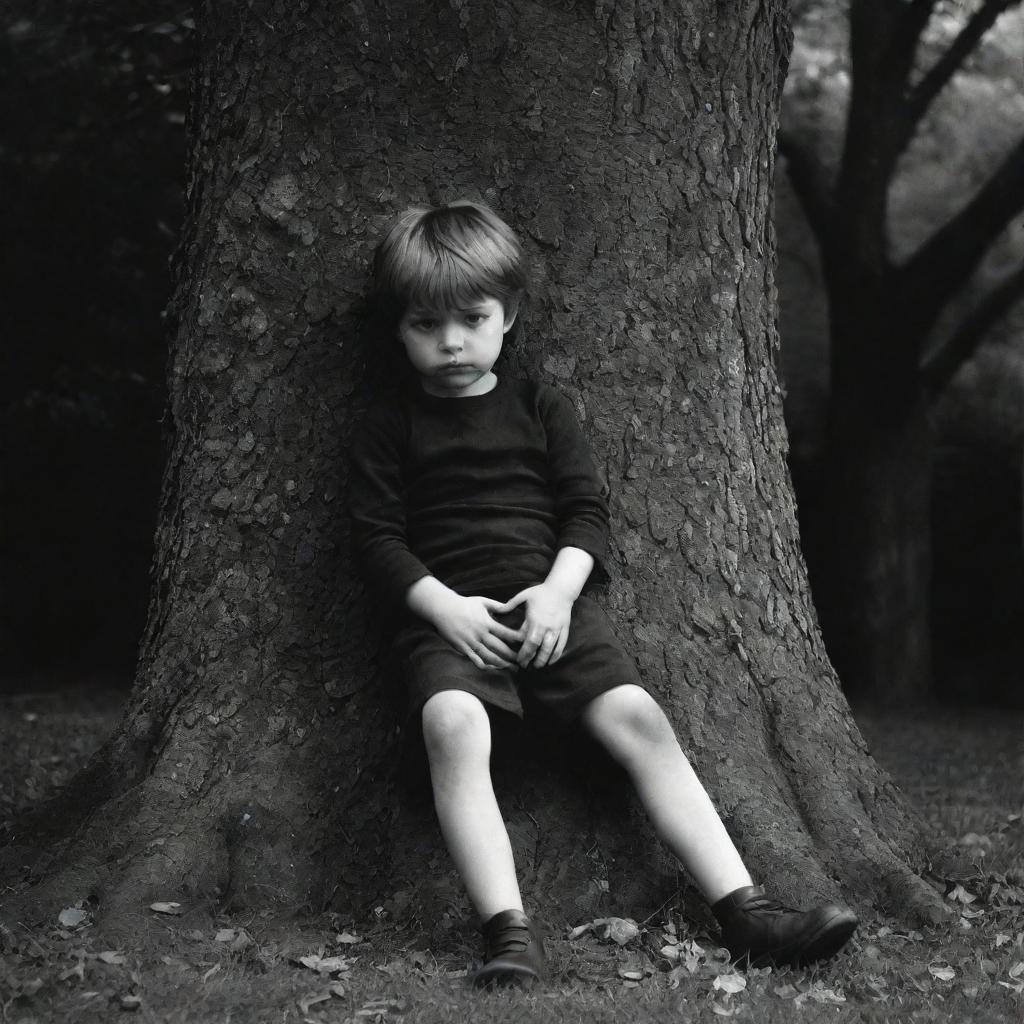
<point x="888" y="361"/>
<point x="255" y="762"/>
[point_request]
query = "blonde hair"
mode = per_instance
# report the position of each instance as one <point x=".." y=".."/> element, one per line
<point x="447" y="256"/>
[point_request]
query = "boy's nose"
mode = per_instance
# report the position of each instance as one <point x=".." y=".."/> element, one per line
<point x="451" y="339"/>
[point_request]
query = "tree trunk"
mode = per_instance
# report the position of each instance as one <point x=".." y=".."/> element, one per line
<point x="632" y="147"/>
<point x="872" y="589"/>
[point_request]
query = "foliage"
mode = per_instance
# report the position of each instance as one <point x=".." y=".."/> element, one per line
<point x="963" y="775"/>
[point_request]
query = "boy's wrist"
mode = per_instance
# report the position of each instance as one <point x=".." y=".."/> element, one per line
<point x="428" y="597"/>
<point x="562" y="589"/>
<point x="569" y="573"/>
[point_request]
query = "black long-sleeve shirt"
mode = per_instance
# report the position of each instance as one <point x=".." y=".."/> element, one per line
<point x="480" y="492"/>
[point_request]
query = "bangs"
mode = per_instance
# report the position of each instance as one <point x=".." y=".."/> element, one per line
<point x="430" y="278"/>
<point x="449" y="257"/>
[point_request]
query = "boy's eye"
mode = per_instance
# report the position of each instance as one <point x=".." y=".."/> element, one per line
<point x="424" y="324"/>
<point x="475" y="318"/>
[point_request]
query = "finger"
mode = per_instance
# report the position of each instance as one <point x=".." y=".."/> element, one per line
<point x="492" y="659"/>
<point x="529" y="648"/>
<point x="563" y="639"/>
<point x="512" y="602"/>
<point x="496" y="647"/>
<point x="472" y="655"/>
<point x="546" y="647"/>
<point x="507" y="633"/>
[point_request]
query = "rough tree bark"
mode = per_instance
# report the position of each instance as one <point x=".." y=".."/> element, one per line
<point x="632" y="146"/>
<point x="886" y="367"/>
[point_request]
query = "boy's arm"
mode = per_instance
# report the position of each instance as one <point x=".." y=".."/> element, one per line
<point x="581" y="505"/>
<point x="377" y="508"/>
<point x="580" y="490"/>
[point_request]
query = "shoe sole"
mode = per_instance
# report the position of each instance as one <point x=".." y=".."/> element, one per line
<point x="824" y="942"/>
<point x="505" y="975"/>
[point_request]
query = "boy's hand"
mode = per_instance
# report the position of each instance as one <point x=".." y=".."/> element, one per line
<point x="467" y="624"/>
<point x="545" y="630"/>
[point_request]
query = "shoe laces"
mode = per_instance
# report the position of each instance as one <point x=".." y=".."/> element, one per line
<point x="766" y="905"/>
<point x="511" y="939"/>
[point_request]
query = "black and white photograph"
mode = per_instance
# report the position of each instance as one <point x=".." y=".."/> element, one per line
<point x="512" y="512"/>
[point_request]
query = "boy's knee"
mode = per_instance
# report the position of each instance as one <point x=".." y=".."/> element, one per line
<point x="453" y="720"/>
<point x="631" y="715"/>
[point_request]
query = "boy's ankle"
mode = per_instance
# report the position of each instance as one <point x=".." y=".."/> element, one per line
<point x="513" y="951"/>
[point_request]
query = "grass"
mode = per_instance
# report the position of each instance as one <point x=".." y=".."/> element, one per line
<point x="962" y="770"/>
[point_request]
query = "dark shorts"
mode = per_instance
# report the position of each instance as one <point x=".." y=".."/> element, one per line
<point x="592" y="663"/>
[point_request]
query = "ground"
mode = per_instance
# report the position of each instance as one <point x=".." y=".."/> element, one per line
<point x="962" y="769"/>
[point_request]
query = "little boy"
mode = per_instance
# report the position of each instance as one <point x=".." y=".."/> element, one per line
<point x="478" y="517"/>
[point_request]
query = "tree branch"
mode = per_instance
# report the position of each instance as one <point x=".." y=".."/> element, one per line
<point x="810" y="184"/>
<point x="945" y="262"/>
<point x="909" y="27"/>
<point x="939" y="366"/>
<point x="931" y="84"/>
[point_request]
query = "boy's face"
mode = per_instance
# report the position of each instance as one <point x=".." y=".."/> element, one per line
<point x="453" y="350"/>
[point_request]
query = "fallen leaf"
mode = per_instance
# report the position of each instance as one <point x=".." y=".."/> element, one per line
<point x="1016" y="970"/>
<point x="73" y="917"/>
<point x="960" y="895"/>
<point x="1001" y="937"/>
<point x="167" y="908"/>
<point x="631" y="975"/>
<point x="78" y="971"/>
<point x="676" y="975"/>
<point x="347" y="938"/>
<point x="941" y="971"/>
<point x="226" y="935"/>
<point x="786" y="991"/>
<point x="380" y="1007"/>
<point x="130" y="1002"/>
<point x="722" y="1010"/>
<point x="730" y="982"/>
<point x="312" y="999"/>
<point x="325" y="964"/>
<point x="620" y="930"/>
<point x="424" y="961"/>
<point x="110" y="956"/>
<point x="820" y="994"/>
<point x="211" y="972"/>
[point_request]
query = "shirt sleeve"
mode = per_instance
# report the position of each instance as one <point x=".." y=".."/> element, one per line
<point x="377" y="503"/>
<point x="581" y="492"/>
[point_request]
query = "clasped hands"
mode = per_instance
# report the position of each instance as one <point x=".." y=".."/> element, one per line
<point x="470" y="626"/>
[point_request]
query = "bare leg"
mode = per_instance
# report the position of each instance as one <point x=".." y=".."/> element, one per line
<point x="457" y="733"/>
<point x="634" y="730"/>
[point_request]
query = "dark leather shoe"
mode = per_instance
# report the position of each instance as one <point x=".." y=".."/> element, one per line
<point x="763" y="932"/>
<point x="513" y="951"/>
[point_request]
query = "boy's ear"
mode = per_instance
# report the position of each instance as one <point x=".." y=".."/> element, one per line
<point x="511" y="311"/>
